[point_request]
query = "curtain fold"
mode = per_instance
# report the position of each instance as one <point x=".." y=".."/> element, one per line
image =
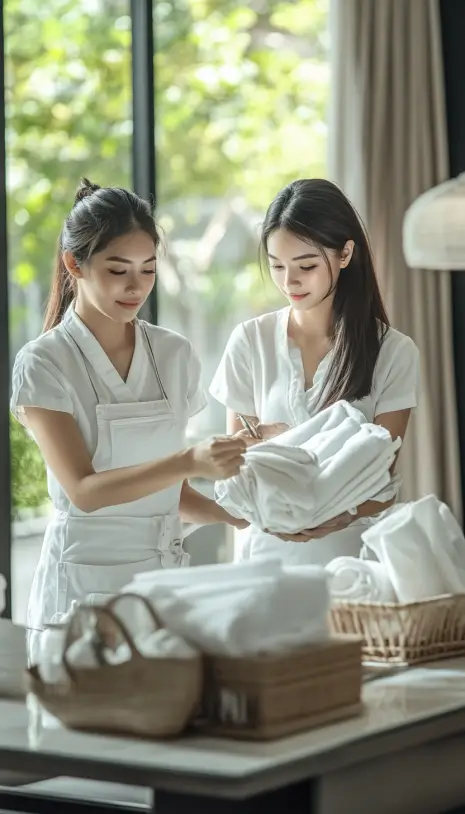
<point x="388" y="144"/>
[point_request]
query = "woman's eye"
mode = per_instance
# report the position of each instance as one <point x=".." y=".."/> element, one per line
<point x="118" y="273"/>
<point x="277" y="268"/>
<point x="307" y="268"/>
<point x="149" y="271"/>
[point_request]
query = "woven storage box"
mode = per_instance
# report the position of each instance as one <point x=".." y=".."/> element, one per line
<point x="273" y="696"/>
<point x="149" y="697"/>
<point x="405" y="634"/>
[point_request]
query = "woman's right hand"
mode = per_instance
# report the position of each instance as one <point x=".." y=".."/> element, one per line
<point x="217" y="458"/>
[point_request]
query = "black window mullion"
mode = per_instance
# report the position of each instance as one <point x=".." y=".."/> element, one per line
<point x="143" y="110"/>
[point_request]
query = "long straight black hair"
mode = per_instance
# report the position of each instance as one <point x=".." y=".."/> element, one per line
<point x="318" y="212"/>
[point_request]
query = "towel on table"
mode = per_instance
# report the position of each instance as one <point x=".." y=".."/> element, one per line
<point x="254" y="614"/>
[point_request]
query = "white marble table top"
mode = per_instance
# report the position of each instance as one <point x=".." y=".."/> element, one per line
<point x="407" y="709"/>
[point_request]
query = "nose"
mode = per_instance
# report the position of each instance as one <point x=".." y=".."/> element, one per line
<point x="291" y="278"/>
<point x="133" y="282"/>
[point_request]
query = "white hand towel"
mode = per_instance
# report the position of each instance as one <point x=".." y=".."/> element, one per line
<point x="161" y="644"/>
<point x="403" y="547"/>
<point x="446" y="539"/>
<point x="269" y="614"/>
<point x="359" y="580"/>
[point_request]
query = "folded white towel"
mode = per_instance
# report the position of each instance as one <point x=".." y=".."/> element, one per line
<point x="446" y="539"/>
<point x="264" y="615"/>
<point x="360" y="580"/>
<point x="252" y="613"/>
<point x="146" y="581"/>
<point x="310" y="474"/>
<point x="403" y="547"/>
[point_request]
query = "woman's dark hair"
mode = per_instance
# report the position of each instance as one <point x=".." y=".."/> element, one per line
<point x="318" y="212"/>
<point x="99" y="215"/>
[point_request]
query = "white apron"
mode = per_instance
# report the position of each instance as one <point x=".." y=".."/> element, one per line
<point x="92" y="556"/>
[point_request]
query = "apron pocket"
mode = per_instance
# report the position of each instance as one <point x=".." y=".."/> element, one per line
<point x="99" y="539"/>
<point x="95" y="583"/>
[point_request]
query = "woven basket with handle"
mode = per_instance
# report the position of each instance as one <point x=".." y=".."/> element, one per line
<point x="151" y="697"/>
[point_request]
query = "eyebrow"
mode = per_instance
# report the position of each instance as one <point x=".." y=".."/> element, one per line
<point x="117" y="259"/>
<point x="300" y="257"/>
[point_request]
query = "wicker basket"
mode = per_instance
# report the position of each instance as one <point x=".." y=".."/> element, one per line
<point x="147" y="697"/>
<point x="277" y="695"/>
<point x="405" y="634"/>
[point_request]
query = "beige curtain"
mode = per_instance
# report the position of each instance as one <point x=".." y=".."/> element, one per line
<point x="388" y="144"/>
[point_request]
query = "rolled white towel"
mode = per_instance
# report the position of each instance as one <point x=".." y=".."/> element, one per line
<point x="360" y="580"/>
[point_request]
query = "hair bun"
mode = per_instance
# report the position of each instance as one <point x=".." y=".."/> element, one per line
<point x="85" y="189"/>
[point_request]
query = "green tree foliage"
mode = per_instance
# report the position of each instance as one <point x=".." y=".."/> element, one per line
<point x="241" y="101"/>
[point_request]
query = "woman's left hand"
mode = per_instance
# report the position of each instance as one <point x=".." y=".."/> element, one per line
<point x="338" y="523"/>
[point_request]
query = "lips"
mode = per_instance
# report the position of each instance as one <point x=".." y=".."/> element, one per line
<point x="128" y="304"/>
<point x="297" y="297"/>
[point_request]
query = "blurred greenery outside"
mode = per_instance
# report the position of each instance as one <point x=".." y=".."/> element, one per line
<point x="241" y="99"/>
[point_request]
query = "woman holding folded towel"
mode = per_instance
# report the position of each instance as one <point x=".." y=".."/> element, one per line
<point x="107" y="397"/>
<point x="332" y="342"/>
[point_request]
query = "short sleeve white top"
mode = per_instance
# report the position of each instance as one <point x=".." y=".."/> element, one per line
<point x="50" y="372"/>
<point x="261" y="374"/>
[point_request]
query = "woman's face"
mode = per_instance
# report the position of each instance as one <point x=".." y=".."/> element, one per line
<point x="300" y="271"/>
<point x="118" y="280"/>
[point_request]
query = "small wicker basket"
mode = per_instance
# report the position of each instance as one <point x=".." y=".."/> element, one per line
<point x="405" y="633"/>
<point x="277" y="695"/>
<point x="149" y="697"/>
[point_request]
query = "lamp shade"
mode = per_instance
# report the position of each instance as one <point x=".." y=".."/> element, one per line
<point x="434" y="228"/>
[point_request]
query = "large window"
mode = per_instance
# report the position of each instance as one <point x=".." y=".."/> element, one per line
<point x="241" y="101"/>
<point x="239" y="109"/>
<point x="68" y="114"/>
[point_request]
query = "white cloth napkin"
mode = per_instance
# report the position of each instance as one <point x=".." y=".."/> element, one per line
<point x="402" y="542"/>
<point x="329" y="465"/>
<point x="359" y="580"/>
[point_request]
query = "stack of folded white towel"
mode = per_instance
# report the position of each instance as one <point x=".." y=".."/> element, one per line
<point x="420" y="551"/>
<point x="329" y="465"/>
<point x="240" y="609"/>
<point x="231" y="610"/>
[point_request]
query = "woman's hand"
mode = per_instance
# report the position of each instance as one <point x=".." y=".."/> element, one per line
<point x="265" y="431"/>
<point x="337" y="524"/>
<point x="217" y="458"/>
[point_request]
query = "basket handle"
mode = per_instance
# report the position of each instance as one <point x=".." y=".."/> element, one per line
<point x="99" y="611"/>
<point x="151" y="610"/>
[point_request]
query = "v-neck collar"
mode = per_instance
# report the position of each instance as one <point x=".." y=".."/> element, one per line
<point x="295" y="355"/>
<point x="302" y="402"/>
<point x="103" y="366"/>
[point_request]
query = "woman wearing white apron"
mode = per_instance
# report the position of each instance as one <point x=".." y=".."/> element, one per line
<point x="333" y="342"/>
<point x="107" y="398"/>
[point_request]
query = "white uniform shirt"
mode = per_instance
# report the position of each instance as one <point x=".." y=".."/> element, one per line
<point x="50" y="372"/>
<point x="261" y="374"/>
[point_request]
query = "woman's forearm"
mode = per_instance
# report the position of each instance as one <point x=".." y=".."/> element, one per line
<point x="373" y="507"/>
<point x="197" y="508"/>
<point x="126" y="484"/>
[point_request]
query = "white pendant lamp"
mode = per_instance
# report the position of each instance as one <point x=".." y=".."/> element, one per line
<point x="434" y="228"/>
